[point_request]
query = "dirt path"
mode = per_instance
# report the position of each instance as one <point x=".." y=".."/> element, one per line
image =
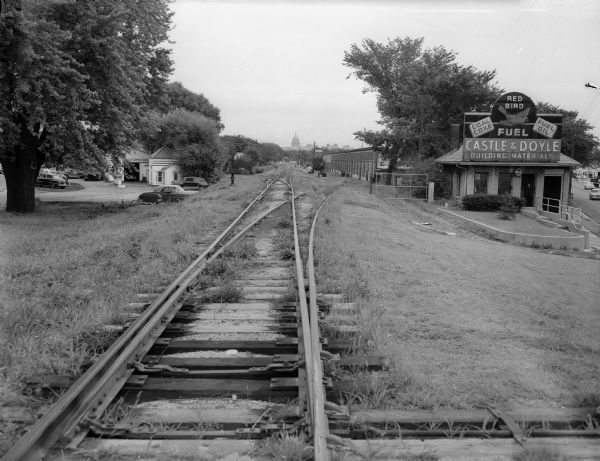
<point x="474" y="322"/>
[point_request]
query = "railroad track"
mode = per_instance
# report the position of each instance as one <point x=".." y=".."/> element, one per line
<point x="229" y="359"/>
<point x="215" y="357"/>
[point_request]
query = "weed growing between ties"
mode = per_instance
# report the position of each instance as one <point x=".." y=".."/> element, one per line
<point x="337" y="269"/>
<point x="283" y="447"/>
<point x="69" y="269"/>
<point x="240" y="250"/>
<point x="284" y="240"/>
<point x="224" y="294"/>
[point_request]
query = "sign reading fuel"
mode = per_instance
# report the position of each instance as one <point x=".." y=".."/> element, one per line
<point x="512" y="132"/>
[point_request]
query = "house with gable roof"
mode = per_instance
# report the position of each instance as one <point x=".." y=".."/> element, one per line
<point x="163" y="168"/>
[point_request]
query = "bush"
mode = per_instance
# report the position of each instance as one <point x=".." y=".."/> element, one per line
<point x="508" y="207"/>
<point x="492" y="202"/>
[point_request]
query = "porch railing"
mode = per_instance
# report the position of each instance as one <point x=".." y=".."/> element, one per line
<point x="564" y="212"/>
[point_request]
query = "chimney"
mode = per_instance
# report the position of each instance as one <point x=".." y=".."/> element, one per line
<point x="455" y="135"/>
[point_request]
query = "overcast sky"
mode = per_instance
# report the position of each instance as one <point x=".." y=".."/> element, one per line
<point x="274" y="68"/>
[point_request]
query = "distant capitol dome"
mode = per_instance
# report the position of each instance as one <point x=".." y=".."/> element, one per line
<point x="295" y="142"/>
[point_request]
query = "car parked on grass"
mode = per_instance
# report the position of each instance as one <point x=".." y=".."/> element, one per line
<point x="51" y="180"/>
<point x="588" y="185"/>
<point x="595" y="194"/>
<point x="193" y="183"/>
<point x="170" y="193"/>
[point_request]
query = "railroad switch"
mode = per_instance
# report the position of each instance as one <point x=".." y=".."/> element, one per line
<point x="337" y="412"/>
<point x="260" y="432"/>
<point x="149" y="369"/>
<point x="279" y="367"/>
<point x="106" y="430"/>
<point x="512" y="425"/>
<point x="250" y="433"/>
<point x="329" y="357"/>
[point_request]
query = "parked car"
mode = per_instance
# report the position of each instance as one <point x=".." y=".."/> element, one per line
<point x="193" y="183"/>
<point x="92" y="177"/>
<point x="51" y="180"/>
<point x="165" y="194"/>
<point x="595" y="194"/>
<point x="588" y="185"/>
<point x="70" y="173"/>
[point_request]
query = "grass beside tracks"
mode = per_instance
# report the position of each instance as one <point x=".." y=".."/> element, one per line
<point x="70" y="268"/>
<point x="465" y="322"/>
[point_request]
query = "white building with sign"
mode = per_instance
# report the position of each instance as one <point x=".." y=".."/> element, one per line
<point x="512" y="150"/>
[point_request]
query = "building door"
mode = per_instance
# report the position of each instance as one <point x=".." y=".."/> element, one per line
<point x="552" y="190"/>
<point x="528" y="189"/>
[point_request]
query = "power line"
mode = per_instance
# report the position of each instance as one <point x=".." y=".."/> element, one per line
<point x="510" y="26"/>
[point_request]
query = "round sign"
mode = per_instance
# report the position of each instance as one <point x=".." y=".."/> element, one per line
<point x="518" y="172"/>
<point x="513" y="109"/>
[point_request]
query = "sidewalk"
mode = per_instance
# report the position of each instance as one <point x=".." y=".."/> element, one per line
<point x="525" y="230"/>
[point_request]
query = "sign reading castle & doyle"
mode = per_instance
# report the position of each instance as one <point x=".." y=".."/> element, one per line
<point x="512" y="132"/>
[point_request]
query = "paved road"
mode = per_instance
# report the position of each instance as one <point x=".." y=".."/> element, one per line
<point x="86" y="191"/>
<point x="591" y="208"/>
<point x="94" y="191"/>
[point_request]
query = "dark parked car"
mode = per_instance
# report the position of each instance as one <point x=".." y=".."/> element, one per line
<point x="193" y="183"/>
<point x="70" y="173"/>
<point x="165" y="194"/>
<point x="51" y="180"/>
<point x="92" y="177"/>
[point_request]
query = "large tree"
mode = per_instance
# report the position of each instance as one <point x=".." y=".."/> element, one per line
<point x="193" y="135"/>
<point x="74" y="79"/>
<point x="578" y="142"/>
<point x="420" y="94"/>
<point x="179" y="97"/>
<point x="257" y="153"/>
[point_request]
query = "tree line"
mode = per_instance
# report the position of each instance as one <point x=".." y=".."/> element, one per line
<point x="421" y="92"/>
<point x="81" y="82"/>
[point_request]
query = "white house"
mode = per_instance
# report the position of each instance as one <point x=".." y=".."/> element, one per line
<point x="163" y="167"/>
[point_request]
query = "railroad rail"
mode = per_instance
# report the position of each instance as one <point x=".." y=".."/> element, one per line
<point x="198" y="374"/>
<point x="143" y="364"/>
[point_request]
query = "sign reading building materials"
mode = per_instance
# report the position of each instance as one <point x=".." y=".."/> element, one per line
<point x="512" y="132"/>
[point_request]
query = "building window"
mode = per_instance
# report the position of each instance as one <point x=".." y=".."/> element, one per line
<point x="481" y="183"/>
<point x="159" y="176"/>
<point x="504" y="183"/>
<point x="175" y="176"/>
